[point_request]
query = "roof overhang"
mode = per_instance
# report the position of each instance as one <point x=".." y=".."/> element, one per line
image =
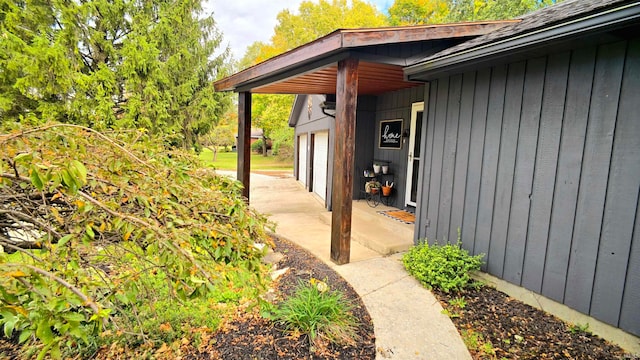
<point x="519" y="45"/>
<point x="312" y="68"/>
<point x="296" y="109"/>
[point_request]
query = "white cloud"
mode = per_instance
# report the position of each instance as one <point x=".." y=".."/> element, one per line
<point x="244" y="22"/>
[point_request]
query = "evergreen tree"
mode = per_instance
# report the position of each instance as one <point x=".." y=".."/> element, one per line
<point x="111" y="64"/>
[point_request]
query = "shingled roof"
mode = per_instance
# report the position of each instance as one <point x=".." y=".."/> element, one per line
<point x="566" y="12"/>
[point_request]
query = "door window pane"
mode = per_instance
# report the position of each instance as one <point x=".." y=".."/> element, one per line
<point x="414" y="181"/>
<point x="418" y="135"/>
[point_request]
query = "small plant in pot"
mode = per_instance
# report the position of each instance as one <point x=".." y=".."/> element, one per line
<point x="372" y="187"/>
<point x="386" y="189"/>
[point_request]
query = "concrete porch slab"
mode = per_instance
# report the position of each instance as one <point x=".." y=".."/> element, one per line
<point x="376" y="231"/>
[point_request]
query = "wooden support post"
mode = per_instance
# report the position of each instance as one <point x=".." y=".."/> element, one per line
<point x="346" y="102"/>
<point x="244" y="141"/>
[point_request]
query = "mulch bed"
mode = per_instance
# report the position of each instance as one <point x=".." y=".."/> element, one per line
<point x="250" y="336"/>
<point x="516" y="330"/>
<point x="513" y="329"/>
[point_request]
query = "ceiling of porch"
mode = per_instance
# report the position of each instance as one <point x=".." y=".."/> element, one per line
<point x="373" y="79"/>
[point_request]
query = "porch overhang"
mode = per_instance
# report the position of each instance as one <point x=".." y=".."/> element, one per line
<point x="347" y="63"/>
<point x="312" y="68"/>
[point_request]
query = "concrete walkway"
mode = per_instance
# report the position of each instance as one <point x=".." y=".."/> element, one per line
<point x="407" y="318"/>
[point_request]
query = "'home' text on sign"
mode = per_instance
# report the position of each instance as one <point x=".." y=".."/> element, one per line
<point x="390" y="134"/>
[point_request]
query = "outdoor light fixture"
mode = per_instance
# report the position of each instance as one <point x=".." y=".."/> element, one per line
<point x="328" y="105"/>
<point x="405" y="135"/>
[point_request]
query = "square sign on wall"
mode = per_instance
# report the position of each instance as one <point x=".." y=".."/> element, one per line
<point x="390" y="134"/>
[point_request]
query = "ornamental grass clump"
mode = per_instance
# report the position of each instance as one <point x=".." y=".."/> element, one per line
<point x="444" y="267"/>
<point x="325" y="316"/>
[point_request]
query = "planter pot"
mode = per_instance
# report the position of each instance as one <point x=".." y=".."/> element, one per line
<point x="385" y="169"/>
<point x="386" y="190"/>
<point x="374" y="190"/>
<point x="376" y="169"/>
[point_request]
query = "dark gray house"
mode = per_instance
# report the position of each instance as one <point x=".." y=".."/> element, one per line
<point x="525" y="135"/>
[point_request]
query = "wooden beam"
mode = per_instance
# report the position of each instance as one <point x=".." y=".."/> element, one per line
<point x="244" y="141"/>
<point x="342" y="194"/>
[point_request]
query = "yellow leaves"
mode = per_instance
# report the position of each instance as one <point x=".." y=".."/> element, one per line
<point x="56" y="215"/>
<point x="18" y="310"/>
<point x="126" y="235"/>
<point x="163" y="349"/>
<point x="320" y="285"/>
<point x="166" y="327"/>
<point x="16" y="274"/>
<point x="56" y="196"/>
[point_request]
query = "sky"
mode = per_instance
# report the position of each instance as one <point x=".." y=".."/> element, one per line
<point x="244" y="22"/>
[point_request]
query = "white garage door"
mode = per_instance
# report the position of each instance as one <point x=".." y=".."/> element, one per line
<point x="302" y="159"/>
<point x="320" y="155"/>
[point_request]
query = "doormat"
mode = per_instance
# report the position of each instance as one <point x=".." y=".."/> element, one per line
<point x="400" y="215"/>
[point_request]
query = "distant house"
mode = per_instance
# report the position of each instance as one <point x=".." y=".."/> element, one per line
<point x="524" y="134"/>
<point x="256" y="134"/>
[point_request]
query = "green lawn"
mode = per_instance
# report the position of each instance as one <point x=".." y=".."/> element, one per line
<point x="229" y="160"/>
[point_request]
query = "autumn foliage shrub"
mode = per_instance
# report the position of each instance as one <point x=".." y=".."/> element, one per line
<point x="101" y="232"/>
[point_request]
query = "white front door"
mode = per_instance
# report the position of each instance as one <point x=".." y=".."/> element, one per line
<point x="320" y="162"/>
<point x="303" y="151"/>
<point x="413" y="164"/>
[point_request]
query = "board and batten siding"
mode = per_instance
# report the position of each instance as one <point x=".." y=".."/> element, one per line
<point x="391" y="106"/>
<point x="537" y="163"/>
